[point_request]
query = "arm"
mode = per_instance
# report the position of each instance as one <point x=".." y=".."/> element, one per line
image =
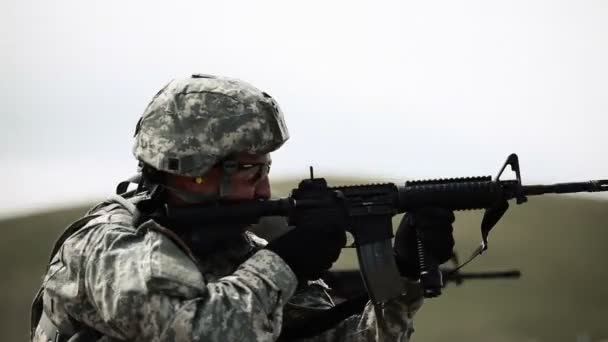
<point x="393" y="322"/>
<point x="146" y="289"/>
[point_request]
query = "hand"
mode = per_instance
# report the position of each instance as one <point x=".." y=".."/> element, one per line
<point x="435" y="227"/>
<point x="309" y="251"/>
<point x="315" y="243"/>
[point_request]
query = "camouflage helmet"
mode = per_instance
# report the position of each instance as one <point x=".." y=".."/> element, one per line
<point x="194" y="123"/>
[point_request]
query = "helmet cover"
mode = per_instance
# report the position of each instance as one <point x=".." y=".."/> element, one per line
<point x="194" y="123"/>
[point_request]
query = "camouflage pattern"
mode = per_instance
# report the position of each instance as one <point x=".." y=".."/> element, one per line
<point x="138" y="284"/>
<point x="191" y="124"/>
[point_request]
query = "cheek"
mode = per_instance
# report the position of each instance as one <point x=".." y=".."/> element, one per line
<point x="187" y="183"/>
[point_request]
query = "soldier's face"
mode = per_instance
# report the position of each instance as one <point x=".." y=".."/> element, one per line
<point x="250" y="181"/>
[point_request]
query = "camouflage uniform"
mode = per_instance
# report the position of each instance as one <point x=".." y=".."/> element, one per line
<point x="144" y="284"/>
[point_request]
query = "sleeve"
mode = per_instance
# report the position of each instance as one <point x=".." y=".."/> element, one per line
<point x="146" y="289"/>
<point x="391" y="322"/>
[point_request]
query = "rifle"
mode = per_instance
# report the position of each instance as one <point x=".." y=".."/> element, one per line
<point x="369" y="210"/>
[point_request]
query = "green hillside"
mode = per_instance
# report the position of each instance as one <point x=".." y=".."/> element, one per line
<point x="559" y="244"/>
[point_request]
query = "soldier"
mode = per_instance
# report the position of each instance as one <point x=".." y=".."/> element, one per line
<point x="117" y="275"/>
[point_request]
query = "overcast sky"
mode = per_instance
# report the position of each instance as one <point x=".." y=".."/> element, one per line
<point x="397" y="89"/>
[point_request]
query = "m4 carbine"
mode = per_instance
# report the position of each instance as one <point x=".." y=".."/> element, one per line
<point x="368" y="211"/>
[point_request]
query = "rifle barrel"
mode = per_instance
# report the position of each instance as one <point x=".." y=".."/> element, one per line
<point x="566" y="188"/>
<point x="484" y="275"/>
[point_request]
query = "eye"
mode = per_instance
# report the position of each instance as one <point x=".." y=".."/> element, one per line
<point x="246" y="167"/>
<point x="254" y="171"/>
<point x="250" y="171"/>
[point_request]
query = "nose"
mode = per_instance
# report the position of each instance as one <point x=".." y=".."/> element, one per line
<point x="262" y="189"/>
<point x="243" y="192"/>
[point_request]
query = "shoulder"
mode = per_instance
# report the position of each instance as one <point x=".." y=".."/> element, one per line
<point x="109" y="245"/>
<point x="104" y="222"/>
<point x="168" y="264"/>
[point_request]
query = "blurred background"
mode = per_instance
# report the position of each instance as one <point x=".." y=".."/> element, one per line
<point x="382" y="90"/>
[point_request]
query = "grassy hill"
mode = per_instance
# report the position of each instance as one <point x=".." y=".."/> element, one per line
<point x="559" y="244"/>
